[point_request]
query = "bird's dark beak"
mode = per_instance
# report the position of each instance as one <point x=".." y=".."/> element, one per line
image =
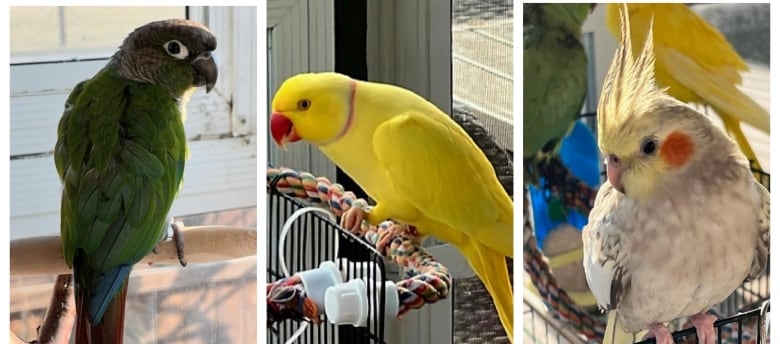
<point x="205" y="71"/>
<point x="282" y="129"/>
<point x="615" y="172"/>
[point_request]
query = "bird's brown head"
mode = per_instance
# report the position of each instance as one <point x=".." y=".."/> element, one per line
<point x="173" y="53"/>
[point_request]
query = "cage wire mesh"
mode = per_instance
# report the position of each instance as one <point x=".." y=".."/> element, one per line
<point x="310" y="241"/>
<point x="743" y="319"/>
<point x="748" y="327"/>
<point x="482" y="104"/>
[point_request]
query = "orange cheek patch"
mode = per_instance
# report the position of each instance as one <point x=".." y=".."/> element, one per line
<point x="677" y="149"/>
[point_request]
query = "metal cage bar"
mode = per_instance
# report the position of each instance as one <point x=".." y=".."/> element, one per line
<point x="540" y="326"/>
<point x="310" y="241"/>
<point x="749" y="325"/>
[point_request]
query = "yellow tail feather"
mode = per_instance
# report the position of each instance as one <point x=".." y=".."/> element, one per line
<point x="490" y="266"/>
<point x="734" y="129"/>
<point x="615" y="334"/>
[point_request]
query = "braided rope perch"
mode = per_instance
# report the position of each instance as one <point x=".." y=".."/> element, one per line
<point x="427" y="281"/>
<point x="287" y="300"/>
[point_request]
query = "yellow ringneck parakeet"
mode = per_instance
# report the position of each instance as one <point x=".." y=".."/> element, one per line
<point x="695" y="62"/>
<point x="120" y="155"/>
<point x="415" y="161"/>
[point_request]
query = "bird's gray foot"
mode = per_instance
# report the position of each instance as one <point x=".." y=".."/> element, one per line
<point x="178" y="239"/>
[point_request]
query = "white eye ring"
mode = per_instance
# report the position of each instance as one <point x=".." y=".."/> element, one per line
<point x="176" y="49"/>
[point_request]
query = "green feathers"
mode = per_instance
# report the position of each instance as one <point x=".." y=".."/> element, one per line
<point x="142" y="161"/>
<point x="120" y="155"/>
<point x="555" y="72"/>
<point x="121" y="159"/>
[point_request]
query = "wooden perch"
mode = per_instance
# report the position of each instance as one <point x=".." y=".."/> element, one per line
<point x="61" y="314"/>
<point x="202" y="244"/>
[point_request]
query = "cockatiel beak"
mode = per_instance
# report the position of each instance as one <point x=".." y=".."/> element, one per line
<point x="282" y="129"/>
<point x="205" y="71"/>
<point x="615" y="172"/>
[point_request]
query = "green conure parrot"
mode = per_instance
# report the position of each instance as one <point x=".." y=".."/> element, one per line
<point x="554" y="78"/>
<point x="420" y="167"/>
<point x="120" y="156"/>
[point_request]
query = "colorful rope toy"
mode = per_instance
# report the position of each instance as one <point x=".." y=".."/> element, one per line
<point x="427" y="280"/>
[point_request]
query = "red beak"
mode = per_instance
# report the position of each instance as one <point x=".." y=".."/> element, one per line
<point x="282" y="129"/>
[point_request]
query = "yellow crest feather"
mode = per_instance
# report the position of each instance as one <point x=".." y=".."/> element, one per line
<point x="629" y="89"/>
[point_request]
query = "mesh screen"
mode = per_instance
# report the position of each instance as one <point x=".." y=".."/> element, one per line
<point x="482" y="63"/>
<point x="482" y="87"/>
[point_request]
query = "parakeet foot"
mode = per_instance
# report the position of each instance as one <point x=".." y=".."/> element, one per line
<point x="661" y="334"/>
<point x="178" y="239"/>
<point x="396" y="230"/>
<point x="705" y="327"/>
<point x="352" y="220"/>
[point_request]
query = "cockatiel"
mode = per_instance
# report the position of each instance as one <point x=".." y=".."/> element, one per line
<point x="554" y="75"/>
<point x="681" y="222"/>
<point x="120" y="156"/>
<point x="415" y="161"/>
<point x="696" y="63"/>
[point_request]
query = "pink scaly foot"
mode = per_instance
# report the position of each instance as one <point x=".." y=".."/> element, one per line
<point x="352" y="220"/>
<point x="705" y="327"/>
<point x="395" y="230"/>
<point x="661" y="334"/>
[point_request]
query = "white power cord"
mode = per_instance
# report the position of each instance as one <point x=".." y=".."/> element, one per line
<point x="282" y="263"/>
<point x="297" y="333"/>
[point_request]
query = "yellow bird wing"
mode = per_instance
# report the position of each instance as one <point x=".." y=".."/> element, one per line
<point x="715" y="89"/>
<point x="438" y="169"/>
<point x="677" y="27"/>
<point x="692" y="58"/>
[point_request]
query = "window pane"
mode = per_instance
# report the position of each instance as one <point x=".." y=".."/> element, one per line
<point x="482" y="85"/>
<point x="67" y="32"/>
<point x="482" y="64"/>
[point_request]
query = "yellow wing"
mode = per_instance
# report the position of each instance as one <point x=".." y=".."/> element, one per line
<point x="677" y="27"/>
<point x="731" y="104"/>
<point x="696" y="62"/>
<point x="704" y="70"/>
<point x="437" y="168"/>
<point x="692" y="58"/>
